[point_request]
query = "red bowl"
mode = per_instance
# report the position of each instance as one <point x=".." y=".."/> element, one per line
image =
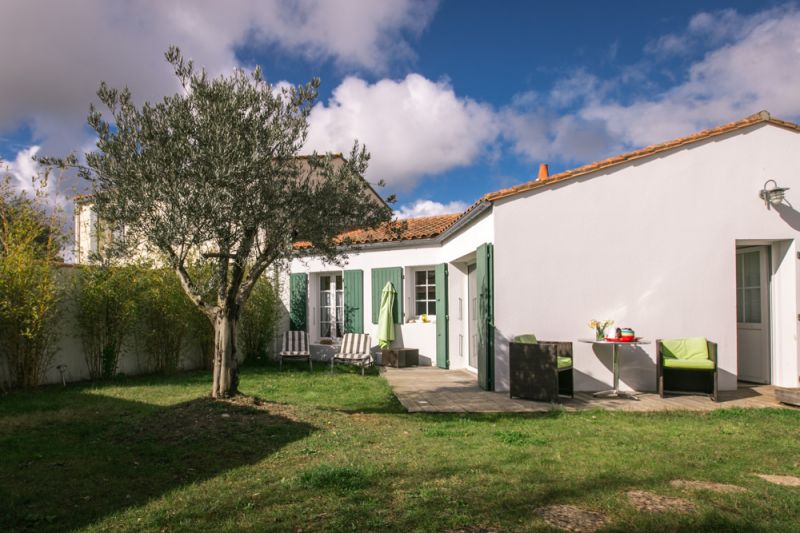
<point x="627" y="338"/>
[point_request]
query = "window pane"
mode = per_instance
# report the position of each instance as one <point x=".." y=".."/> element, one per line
<point x="421" y="310"/>
<point x="325" y="314"/>
<point x="325" y="299"/>
<point x="432" y="308"/>
<point x="739" y="275"/>
<point x="752" y="305"/>
<point x="752" y="269"/>
<point x="431" y="277"/>
<point x="325" y="283"/>
<point x="338" y="299"/>
<point x="431" y="293"/>
<point x="325" y="329"/>
<point x="339" y="283"/>
<point x="740" y="306"/>
<point x="420" y="293"/>
<point x="419" y="276"/>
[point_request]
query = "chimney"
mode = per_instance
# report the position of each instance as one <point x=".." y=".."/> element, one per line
<point x="544" y="172"/>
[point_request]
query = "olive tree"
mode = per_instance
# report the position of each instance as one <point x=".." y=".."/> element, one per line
<point x="212" y="174"/>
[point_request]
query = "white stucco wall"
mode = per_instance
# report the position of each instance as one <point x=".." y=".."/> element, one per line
<point x="85" y="232"/>
<point x="651" y="245"/>
<point x="411" y="335"/>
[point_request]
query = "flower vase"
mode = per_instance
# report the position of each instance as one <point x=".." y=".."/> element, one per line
<point x="600" y="334"/>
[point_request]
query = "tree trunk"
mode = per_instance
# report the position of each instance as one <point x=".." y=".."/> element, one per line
<point x="226" y="367"/>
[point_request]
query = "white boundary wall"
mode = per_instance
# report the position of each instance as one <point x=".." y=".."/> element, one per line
<point x="70" y="350"/>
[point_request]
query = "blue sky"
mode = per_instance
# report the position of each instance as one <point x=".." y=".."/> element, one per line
<point x="453" y="99"/>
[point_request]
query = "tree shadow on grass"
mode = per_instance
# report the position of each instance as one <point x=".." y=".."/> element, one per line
<point x="64" y="471"/>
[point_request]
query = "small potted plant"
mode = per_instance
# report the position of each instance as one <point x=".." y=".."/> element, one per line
<point x="599" y="327"/>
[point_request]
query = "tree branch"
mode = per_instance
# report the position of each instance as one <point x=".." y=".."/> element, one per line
<point x="188" y="285"/>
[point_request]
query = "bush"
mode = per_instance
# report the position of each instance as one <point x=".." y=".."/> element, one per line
<point x="165" y="319"/>
<point x="30" y="241"/>
<point x="105" y="298"/>
<point x="258" y="322"/>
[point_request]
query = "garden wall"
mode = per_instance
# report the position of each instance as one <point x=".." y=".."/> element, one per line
<point x="70" y="351"/>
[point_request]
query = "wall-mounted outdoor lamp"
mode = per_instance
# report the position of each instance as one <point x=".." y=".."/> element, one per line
<point x="772" y="195"/>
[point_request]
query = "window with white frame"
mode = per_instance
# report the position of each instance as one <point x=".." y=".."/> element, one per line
<point x="331" y="306"/>
<point x="425" y="292"/>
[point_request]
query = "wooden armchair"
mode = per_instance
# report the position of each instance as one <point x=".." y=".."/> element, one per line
<point x="687" y="366"/>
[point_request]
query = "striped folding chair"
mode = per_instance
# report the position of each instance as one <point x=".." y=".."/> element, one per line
<point x="355" y="350"/>
<point x="295" y="348"/>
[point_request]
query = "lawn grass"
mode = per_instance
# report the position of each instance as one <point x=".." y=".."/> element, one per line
<point x="324" y="452"/>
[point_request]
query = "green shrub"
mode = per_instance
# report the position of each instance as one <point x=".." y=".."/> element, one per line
<point x="30" y="241"/>
<point x="105" y="300"/>
<point x="165" y="317"/>
<point x="258" y="323"/>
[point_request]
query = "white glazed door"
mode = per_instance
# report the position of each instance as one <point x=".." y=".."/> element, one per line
<point x="752" y="314"/>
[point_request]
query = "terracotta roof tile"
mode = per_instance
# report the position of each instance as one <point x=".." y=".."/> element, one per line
<point x="408" y="229"/>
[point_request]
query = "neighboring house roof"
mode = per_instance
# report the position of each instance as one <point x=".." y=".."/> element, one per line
<point x="87" y="198"/>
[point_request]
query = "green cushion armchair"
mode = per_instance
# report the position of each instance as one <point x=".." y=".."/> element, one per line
<point x="540" y="370"/>
<point x="687" y="366"/>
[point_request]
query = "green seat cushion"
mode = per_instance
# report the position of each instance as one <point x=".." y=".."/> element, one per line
<point x="564" y="361"/>
<point x="526" y="339"/>
<point x="690" y="353"/>
<point x="690" y="348"/>
<point x="689" y="364"/>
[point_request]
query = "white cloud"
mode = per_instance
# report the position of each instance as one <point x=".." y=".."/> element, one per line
<point x="23" y="168"/>
<point x="759" y="69"/>
<point x="22" y="171"/>
<point x="412" y="127"/>
<point x="751" y="63"/>
<point x="55" y="54"/>
<point x="424" y="208"/>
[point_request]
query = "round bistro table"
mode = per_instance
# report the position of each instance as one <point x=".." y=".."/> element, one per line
<point x="615" y="392"/>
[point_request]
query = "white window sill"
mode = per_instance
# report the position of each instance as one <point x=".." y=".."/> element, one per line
<point x="419" y="321"/>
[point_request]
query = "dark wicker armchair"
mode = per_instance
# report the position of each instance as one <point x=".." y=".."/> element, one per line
<point x="540" y="370"/>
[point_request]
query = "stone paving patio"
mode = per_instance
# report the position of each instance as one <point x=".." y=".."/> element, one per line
<point x="431" y="389"/>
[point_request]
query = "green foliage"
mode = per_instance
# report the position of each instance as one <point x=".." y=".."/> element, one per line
<point x="258" y="322"/>
<point x="215" y="167"/>
<point x="135" y="306"/>
<point x="105" y="310"/>
<point x="165" y="318"/>
<point x="339" y="478"/>
<point x="338" y="453"/>
<point x="30" y="242"/>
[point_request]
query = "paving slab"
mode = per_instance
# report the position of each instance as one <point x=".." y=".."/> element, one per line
<point x="434" y="390"/>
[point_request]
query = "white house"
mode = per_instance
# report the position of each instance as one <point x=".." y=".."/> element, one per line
<point x="672" y="240"/>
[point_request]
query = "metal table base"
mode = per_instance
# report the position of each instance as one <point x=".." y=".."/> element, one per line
<point x="615" y="392"/>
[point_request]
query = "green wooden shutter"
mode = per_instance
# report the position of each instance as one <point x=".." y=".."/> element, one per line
<point x="298" y="301"/>
<point x="354" y="301"/>
<point x="379" y="278"/>
<point x="442" y="317"/>
<point x="485" y="282"/>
